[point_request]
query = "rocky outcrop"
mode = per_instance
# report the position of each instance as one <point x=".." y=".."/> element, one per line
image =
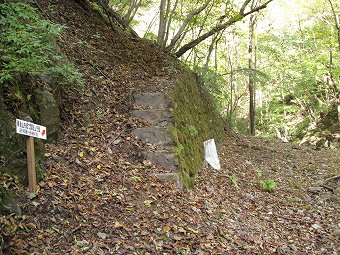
<point x="44" y="110"/>
<point x="49" y="113"/>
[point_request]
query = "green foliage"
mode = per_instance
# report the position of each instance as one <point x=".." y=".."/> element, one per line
<point x="192" y="130"/>
<point x="300" y="61"/>
<point x="234" y="180"/>
<point x="216" y="85"/>
<point x="151" y="36"/>
<point x="66" y="74"/>
<point x="268" y="185"/>
<point x="238" y="124"/>
<point x="28" y="45"/>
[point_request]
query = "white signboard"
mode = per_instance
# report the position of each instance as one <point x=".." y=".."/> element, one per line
<point x="30" y="129"/>
<point x="210" y="154"/>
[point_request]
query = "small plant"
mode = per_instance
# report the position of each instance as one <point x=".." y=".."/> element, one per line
<point x="268" y="185"/>
<point x="234" y="180"/>
<point x="192" y="130"/>
<point x="259" y="172"/>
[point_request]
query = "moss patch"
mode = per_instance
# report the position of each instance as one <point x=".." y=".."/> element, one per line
<point x="5" y="199"/>
<point x="195" y="121"/>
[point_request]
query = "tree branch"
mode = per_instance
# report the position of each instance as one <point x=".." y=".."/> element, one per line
<point x="185" y="23"/>
<point x="219" y="27"/>
<point x="336" y="19"/>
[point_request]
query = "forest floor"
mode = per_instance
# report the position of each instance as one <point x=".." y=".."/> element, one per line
<point x="99" y="196"/>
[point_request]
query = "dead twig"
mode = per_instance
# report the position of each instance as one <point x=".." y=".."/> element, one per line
<point x="292" y="219"/>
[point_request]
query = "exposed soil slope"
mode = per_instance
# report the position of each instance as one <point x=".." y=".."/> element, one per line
<point x="100" y="197"/>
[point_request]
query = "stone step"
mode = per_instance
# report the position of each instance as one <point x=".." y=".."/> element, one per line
<point x="162" y="158"/>
<point x="154" y="135"/>
<point x="154" y="100"/>
<point x="160" y="118"/>
<point x="171" y="177"/>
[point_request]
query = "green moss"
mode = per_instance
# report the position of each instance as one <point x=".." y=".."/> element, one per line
<point x="195" y="121"/>
<point x="5" y="199"/>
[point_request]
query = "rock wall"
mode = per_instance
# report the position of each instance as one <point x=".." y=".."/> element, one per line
<point x="195" y="121"/>
<point x="178" y="121"/>
<point x="38" y="102"/>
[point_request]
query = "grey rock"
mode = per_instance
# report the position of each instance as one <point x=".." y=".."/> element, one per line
<point x="165" y="159"/>
<point x="160" y="118"/>
<point x="155" y="135"/>
<point x="171" y="177"/>
<point x="13" y="208"/>
<point x="293" y="247"/>
<point x="49" y="113"/>
<point x="152" y="100"/>
<point x="315" y="190"/>
<point x="336" y="232"/>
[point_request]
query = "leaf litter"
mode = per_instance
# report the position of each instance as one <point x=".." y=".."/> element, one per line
<point x="99" y="196"/>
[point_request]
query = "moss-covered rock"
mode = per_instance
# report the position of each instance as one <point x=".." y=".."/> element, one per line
<point x="12" y="158"/>
<point x="195" y="121"/>
<point x="48" y="112"/>
<point x="8" y="204"/>
<point x="13" y="147"/>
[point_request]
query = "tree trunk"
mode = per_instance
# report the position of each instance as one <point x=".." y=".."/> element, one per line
<point x="251" y="83"/>
<point x="170" y="15"/>
<point x="133" y="8"/>
<point x="162" y="23"/>
<point x="337" y="22"/>
<point x="231" y="84"/>
<point x="212" y="45"/>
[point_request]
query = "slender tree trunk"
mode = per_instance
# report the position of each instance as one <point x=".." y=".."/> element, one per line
<point x="150" y="24"/>
<point x="333" y="82"/>
<point x="231" y="85"/>
<point x="337" y="22"/>
<point x="133" y="8"/>
<point x="212" y="45"/>
<point x="170" y="15"/>
<point x="210" y="50"/>
<point x="251" y="83"/>
<point x="162" y="23"/>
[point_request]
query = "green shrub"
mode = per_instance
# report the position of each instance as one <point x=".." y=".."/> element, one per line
<point x="192" y="130"/>
<point x="28" y="45"/>
<point x="268" y="185"/>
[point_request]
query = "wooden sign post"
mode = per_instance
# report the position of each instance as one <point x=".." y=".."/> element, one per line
<point x="26" y="127"/>
<point x="32" y="176"/>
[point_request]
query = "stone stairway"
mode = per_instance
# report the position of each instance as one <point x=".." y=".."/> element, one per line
<point x="155" y="109"/>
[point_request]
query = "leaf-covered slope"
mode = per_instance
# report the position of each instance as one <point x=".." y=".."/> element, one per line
<point x="99" y="197"/>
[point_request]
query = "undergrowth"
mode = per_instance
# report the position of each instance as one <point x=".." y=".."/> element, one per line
<point x="28" y="45"/>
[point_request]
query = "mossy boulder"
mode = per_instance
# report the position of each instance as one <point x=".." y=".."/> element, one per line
<point x="8" y="204"/>
<point x="196" y="120"/>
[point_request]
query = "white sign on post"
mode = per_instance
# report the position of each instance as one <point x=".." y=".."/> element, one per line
<point x="30" y="129"/>
<point x="210" y="154"/>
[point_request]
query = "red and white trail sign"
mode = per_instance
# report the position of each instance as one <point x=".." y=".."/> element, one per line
<point x="30" y="129"/>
